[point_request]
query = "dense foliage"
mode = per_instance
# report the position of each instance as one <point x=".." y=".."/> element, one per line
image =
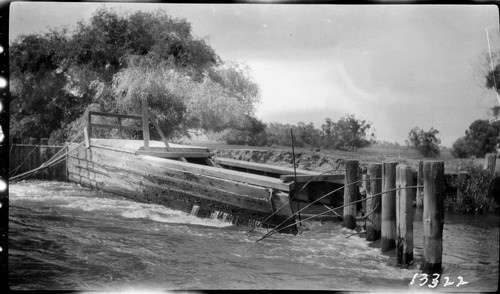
<point x="472" y="191"/>
<point x="481" y="138"/>
<point x="111" y="63"/>
<point x="426" y="143"/>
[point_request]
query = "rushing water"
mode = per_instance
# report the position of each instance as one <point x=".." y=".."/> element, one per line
<point x="63" y="236"/>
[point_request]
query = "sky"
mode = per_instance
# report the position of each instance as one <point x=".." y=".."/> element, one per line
<point x="397" y="66"/>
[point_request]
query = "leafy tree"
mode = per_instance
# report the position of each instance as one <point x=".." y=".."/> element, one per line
<point x="424" y="142"/>
<point x="481" y="138"/>
<point x="347" y="133"/>
<point x="252" y="132"/>
<point x="113" y="61"/>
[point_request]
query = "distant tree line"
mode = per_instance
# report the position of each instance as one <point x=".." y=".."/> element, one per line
<point x="348" y="133"/>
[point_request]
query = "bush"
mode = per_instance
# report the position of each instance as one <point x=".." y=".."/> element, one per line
<point x="472" y="191"/>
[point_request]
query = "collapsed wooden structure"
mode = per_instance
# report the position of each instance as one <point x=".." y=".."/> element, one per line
<point x="190" y="178"/>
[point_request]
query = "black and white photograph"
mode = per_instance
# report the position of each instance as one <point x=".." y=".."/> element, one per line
<point x="268" y="145"/>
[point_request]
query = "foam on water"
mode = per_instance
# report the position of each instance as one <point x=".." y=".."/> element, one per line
<point x="68" y="197"/>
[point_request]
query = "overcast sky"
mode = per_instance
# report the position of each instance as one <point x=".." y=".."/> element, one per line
<point x="398" y="66"/>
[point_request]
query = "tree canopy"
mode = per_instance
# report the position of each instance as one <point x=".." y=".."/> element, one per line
<point x="425" y="142"/>
<point x="481" y="138"/>
<point x="111" y="62"/>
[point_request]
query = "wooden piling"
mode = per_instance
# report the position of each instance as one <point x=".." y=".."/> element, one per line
<point x="145" y="122"/>
<point x="350" y="193"/>
<point x="44" y="142"/>
<point x="373" y="221"/>
<point x="404" y="214"/>
<point x="388" y="233"/>
<point x="433" y="217"/>
<point x="420" y="182"/>
<point x="491" y="159"/>
<point x="365" y="184"/>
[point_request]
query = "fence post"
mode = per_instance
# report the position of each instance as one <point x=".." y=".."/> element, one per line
<point x="373" y="221"/>
<point x="44" y="142"/>
<point x="350" y="193"/>
<point x="404" y="214"/>
<point x="491" y="159"/>
<point x="433" y="216"/>
<point x="388" y="241"/>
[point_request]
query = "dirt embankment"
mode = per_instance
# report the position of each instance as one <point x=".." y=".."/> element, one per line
<point x="324" y="161"/>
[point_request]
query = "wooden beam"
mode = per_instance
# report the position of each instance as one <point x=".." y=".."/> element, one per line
<point x="117" y="126"/>
<point x="221" y="173"/>
<point x="335" y="178"/>
<point x="281" y="170"/>
<point x="166" y="154"/>
<point x="98" y="113"/>
<point x="157" y="126"/>
<point x="178" y="149"/>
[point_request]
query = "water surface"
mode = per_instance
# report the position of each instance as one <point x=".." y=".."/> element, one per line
<point x="64" y="236"/>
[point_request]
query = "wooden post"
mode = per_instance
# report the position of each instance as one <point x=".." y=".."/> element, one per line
<point x="404" y="214"/>
<point x="433" y="217"/>
<point x="44" y="142"/>
<point x="388" y="232"/>
<point x="373" y="221"/>
<point x="350" y="193"/>
<point x="120" y="127"/>
<point x="89" y="124"/>
<point x="145" y="122"/>
<point x="87" y="138"/>
<point x="491" y="159"/>
<point x="365" y="183"/>
<point x="420" y="182"/>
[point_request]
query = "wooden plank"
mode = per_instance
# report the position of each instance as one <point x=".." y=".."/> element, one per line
<point x="177" y="149"/>
<point x="281" y="170"/>
<point x="222" y="173"/>
<point x="98" y="113"/>
<point x="157" y="126"/>
<point x="117" y="126"/>
<point x="165" y="154"/>
<point x="333" y="178"/>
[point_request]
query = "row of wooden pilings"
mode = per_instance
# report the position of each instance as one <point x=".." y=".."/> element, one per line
<point x="390" y="190"/>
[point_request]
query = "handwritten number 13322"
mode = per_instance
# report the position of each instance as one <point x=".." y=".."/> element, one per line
<point x="435" y="280"/>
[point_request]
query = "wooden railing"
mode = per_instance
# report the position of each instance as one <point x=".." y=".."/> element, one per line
<point x="147" y="115"/>
<point x="119" y="124"/>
